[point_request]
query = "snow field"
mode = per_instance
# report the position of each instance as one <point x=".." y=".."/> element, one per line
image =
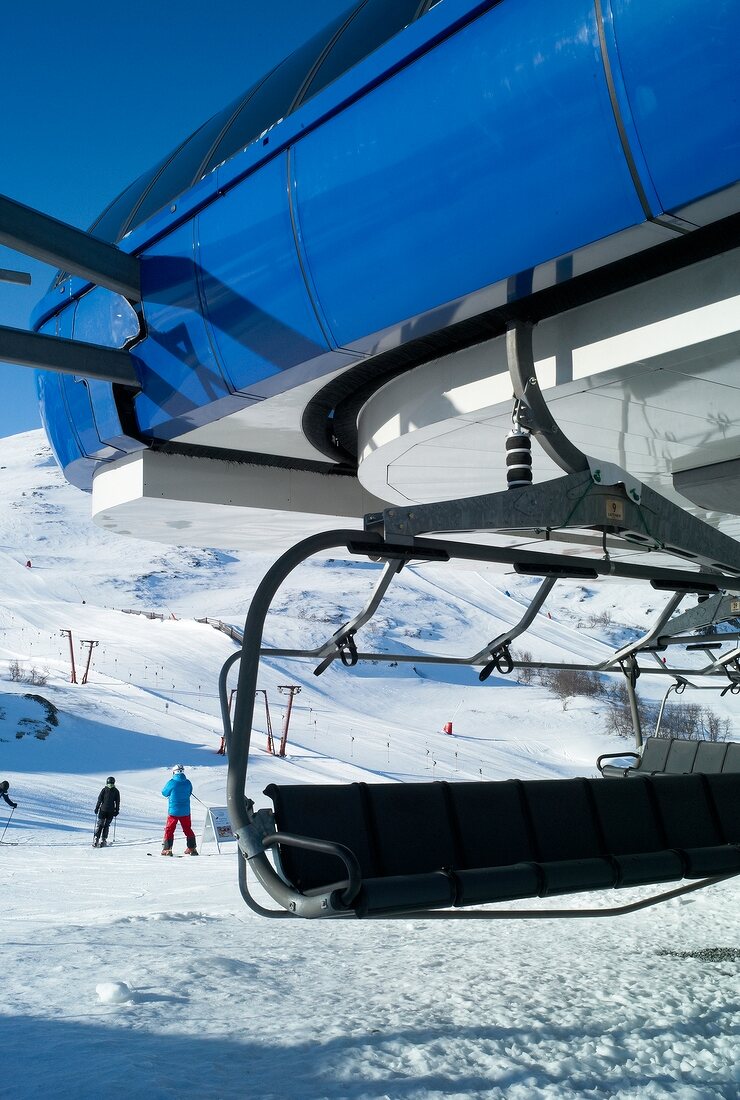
<point x="151" y="974"/>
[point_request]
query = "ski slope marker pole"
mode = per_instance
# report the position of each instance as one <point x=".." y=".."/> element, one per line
<point x="6" y="824"/>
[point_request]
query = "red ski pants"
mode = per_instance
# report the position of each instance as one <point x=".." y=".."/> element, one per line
<point x="169" y="829"/>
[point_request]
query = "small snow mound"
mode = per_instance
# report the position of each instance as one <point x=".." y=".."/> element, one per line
<point x="114" y="993"/>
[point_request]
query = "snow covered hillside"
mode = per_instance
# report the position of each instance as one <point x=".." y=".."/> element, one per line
<point x="123" y="970"/>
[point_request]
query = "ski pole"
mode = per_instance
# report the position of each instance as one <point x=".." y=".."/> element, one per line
<point x="114" y="830"/>
<point x="6" y="825"/>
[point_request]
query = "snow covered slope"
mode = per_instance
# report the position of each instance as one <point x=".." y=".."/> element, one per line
<point x="197" y="997"/>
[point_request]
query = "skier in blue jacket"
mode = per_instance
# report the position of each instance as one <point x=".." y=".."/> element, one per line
<point x="178" y="790"/>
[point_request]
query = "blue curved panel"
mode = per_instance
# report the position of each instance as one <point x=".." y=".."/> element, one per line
<point x="80" y="415"/>
<point x="102" y="317"/>
<point x="681" y="95"/>
<point x="60" y="430"/>
<point x="182" y="384"/>
<point x="492" y="153"/>
<point x="64" y="426"/>
<point x="260" y="317"/>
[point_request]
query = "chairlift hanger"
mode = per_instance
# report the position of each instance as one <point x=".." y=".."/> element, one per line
<point x="254" y="829"/>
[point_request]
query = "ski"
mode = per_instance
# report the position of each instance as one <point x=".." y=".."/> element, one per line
<point x="175" y="855"/>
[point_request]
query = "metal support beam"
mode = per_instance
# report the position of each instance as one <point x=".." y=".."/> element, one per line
<point x="37" y="350"/>
<point x="61" y="245"/>
<point x="20" y="277"/>
<point x="632" y="648"/>
<point x="575" y="501"/>
<point x="716" y="609"/>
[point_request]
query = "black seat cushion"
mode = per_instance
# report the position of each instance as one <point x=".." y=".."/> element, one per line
<point x="654" y="754"/>
<point x="681" y="756"/>
<point x="411" y="827"/>
<point x="517" y="880"/>
<point x="710" y="756"/>
<point x="334" y="813"/>
<point x="724" y="791"/>
<point x="686" y="812"/>
<point x="563" y="820"/>
<point x="491" y="824"/>
<point x="627" y="816"/>
<point x="398" y="893"/>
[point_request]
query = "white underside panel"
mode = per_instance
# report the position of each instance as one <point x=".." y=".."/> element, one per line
<point x="210" y="503"/>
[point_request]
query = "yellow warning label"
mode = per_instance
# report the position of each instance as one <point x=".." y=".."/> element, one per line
<point x="734" y="607"/>
<point x="614" y="508"/>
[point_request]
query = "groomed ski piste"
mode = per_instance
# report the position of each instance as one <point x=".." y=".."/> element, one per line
<point x="150" y="977"/>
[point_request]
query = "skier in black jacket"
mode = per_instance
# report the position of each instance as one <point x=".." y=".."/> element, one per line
<point x="4" y="788"/>
<point x="107" y="807"/>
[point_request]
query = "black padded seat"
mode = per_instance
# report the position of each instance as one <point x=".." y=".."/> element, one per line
<point x="731" y="762"/>
<point x="435" y="890"/>
<point x="710" y="756"/>
<point x="436" y="845"/>
<point x="654" y="755"/>
<point x="517" y="880"/>
<point x="495" y="841"/>
<point x="686" y="812"/>
<point x="334" y="813"/>
<point x="725" y="794"/>
<point x="567" y="837"/>
<point x="633" y="832"/>
<point x="491" y="824"/>
<point x="691" y="824"/>
<point x="681" y="756"/>
<point x="652" y="760"/>
<point x="674" y="756"/>
<point x="411" y="827"/>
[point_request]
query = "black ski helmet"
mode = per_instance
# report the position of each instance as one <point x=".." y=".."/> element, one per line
<point x="110" y="781"/>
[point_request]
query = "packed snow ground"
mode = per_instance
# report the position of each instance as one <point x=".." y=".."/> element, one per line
<point x="149" y="977"/>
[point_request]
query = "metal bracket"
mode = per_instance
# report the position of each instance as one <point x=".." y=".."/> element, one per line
<point x="633" y="648"/>
<point x="719" y="608"/>
<point x="533" y="412"/>
<point x="579" y="502"/>
<point x="497" y="651"/>
<point x="342" y="642"/>
<point x="575" y="502"/>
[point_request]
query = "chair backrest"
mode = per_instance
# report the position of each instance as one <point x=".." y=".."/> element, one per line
<point x="725" y="792"/>
<point x="731" y="762"/>
<point x="681" y="756"/>
<point x="654" y="754"/>
<point x="491" y="824"/>
<point x="687" y="813"/>
<point x="334" y="813"/>
<point x="628" y="817"/>
<point x="710" y="756"/>
<point x="411" y="827"/>
<point x="563" y="819"/>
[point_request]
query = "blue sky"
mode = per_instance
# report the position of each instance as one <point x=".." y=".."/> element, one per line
<point x="94" y="94"/>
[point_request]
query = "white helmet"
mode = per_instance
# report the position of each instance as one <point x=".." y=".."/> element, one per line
<point x="178" y="769"/>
